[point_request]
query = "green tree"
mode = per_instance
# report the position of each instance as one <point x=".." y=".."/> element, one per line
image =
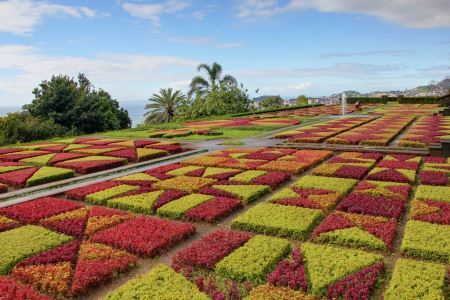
<point x="302" y="99"/>
<point x="77" y="105"/>
<point x="271" y="102"/>
<point x="163" y="106"/>
<point x="201" y="86"/>
<point x="21" y="127"/>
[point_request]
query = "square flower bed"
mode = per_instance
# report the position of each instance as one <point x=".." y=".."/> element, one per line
<point x="161" y="281"/>
<point x="184" y="183"/>
<point x="22" y="242"/>
<point x="340" y="185"/>
<point x="245" y="193"/>
<point x="426" y="240"/>
<point x="413" y="279"/>
<point x="254" y="260"/>
<point x="307" y="197"/>
<point x="145" y="236"/>
<point x="360" y="203"/>
<point x="210" y="249"/>
<point x="349" y="229"/>
<point x="274" y="219"/>
<point x="393" y="175"/>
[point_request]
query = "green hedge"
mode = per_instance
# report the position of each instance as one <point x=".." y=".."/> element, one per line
<point x="281" y="220"/>
<point x="22" y="242"/>
<point x="416" y="280"/>
<point x="401" y="100"/>
<point x="427" y="240"/>
<point x="254" y="260"/>
<point x="160" y="283"/>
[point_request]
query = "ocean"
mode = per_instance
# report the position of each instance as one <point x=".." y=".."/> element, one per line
<point x="135" y="110"/>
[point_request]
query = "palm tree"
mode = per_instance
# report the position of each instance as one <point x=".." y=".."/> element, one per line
<point x="163" y="106"/>
<point x="202" y="86"/>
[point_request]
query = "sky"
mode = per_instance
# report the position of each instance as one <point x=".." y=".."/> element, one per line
<point x="132" y="48"/>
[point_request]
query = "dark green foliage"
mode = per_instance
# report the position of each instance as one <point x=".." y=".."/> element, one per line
<point x="21" y="127"/>
<point x="77" y="105"/>
<point x="272" y="102"/>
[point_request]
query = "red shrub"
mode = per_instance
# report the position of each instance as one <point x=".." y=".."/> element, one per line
<point x="18" y="178"/>
<point x="206" y="252"/>
<point x="434" y="178"/>
<point x="10" y="289"/>
<point x="86" y="167"/>
<point x="372" y="205"/>
<point x="35" y="210"/>
<point x="145" y="236"/>
<point x="290" y="273"/>
<point x="213" y="209"/>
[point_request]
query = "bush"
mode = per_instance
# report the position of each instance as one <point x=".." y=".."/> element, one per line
<point x="286" y="221"/>
<point x="246" y="193"/>
<point x="253" y="260"/>
<point x="49" y="174"/>
<point x="427" y="240"/>
<point x="416" y="280"/>
<point x="160" y="283"/>
<point x="176" y="208"/>
<point x="101" y="197"/>
<point x="22" y="242"/>
<point x="20" y="127"/>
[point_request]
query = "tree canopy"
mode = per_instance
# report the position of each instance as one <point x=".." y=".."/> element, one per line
<point x="272" y="102"/>
<point x="77" y="105"/>
<point x="163" y="106"/>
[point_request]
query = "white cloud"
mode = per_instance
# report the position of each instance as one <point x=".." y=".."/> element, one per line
<point x="21" y="16"/>
<point x="153" y="11"/>
<point x="124" y="75"/>
<point x="228" y="45"/>
<point x="409" y="13"/>
<point x="199" y="15"/>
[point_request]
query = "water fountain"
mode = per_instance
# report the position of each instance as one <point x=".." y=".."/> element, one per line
<point x="343" y="104"/>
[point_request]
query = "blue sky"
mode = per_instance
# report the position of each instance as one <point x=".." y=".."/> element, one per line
<point x="313" y="47"/>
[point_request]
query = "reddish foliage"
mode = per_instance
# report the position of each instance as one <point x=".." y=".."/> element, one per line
<point x="65" y="252"/>
<point x="56" y="148"/>
<point x="143" y="143"/>
<point x="208" y="190"/>
<point x="60" y="157"/>
<point x="145" y="236"/>
<point x="393" y="164"/>
<point x="17" y="178"/>
<point x="196" y="173"/>
<point x="272" y="178"/>
<point x="332" y="222"/>
<point x="389" y="175"/>
<point x="206" y="252"/>
<point x="168" y="148"/>
<point x="372" y="205"/>
<point x="73" y="227"/>
<point x="12" y="290"/>
<point x="358" y="285"/>
<point x="354" y="172"/>
<point x="82" y="192"/>
<point x="263" y="156"/>
<point x="21" y="155"/>
<point x="164" y="169"/>
<point x="434" y="178"/>
<point x="8" y="150"/>
<point x="435" y="159"/>
<point x="35" y="210"/>
<point x="166" y="197"/>
<point x="3" y="188"/>
<point x="442" y="216"/>
<point x="85" y="167"/>
<point x="128" y="153"/>
<point x="290" y="273"/>
<point x="213" y="209"/>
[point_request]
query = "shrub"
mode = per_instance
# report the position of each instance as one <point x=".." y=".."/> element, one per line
<point x="82" y="192"/>
<point x="437" y="193"/>
<point x="145" y="236"/>
<point x="49" y="174"/>
<point x="384" y="189"/>
<point x="90" y="164"/>
<point x="246" y="193"/>
<point x="160" y="283"/>
<point x="101" y="197"/>
<point x="270" y="292"/>
<point x="281" y="220"/>
<point x="431" y="211"/>
<point x="361" y="203"/>
<point x="140" y="203"/>
<point x="18" y="178"/>
<point x="341" y="185"/>
<point x="325" y="265"/>
<point x="32" y="211"/>
<point x="10" y="289"/>
<point x="427" y="240"/>
<point x="213" y="209"/>
<point x="176" y="208"/>
<point x="210" y="249"/>
<point x="247" y="176"/>
<point x="184" y="183"/>
<point x="356" y="230"/>
<point x="291" y="167"/>
<point x="253" y="260"/>
<point x="305" y="197"/>
<point x="41" y="160"/>
<point x="395" y="175"/>
<point x="19" y="243"/>
<point x="416" y="280"/>
<point x="290" y="273"/>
